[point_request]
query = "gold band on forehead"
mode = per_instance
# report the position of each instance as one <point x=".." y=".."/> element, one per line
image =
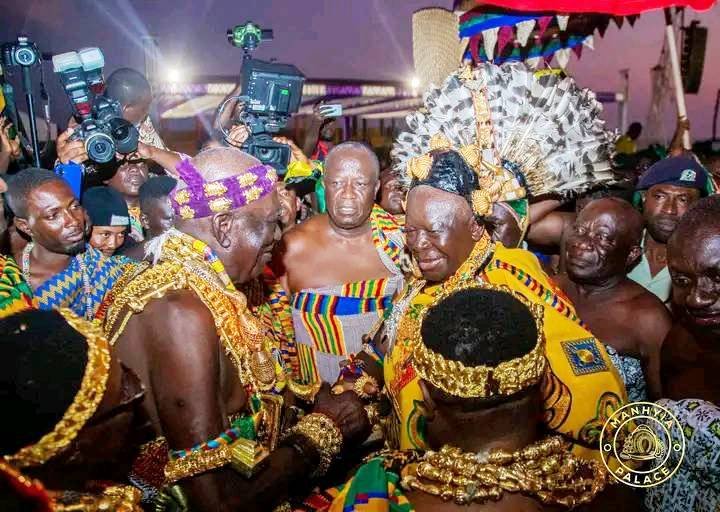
<point x="456" y="379"/>
<point x="86" y="402"/>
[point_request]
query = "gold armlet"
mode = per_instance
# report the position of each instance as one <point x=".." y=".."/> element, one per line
<point x="305" y="392"/>
<point x="197" y="462"/>
<point x="245" y="456"/>
<point x="324" y="436"/>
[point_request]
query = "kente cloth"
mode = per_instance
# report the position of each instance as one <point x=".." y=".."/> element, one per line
<point x="15" y="294"/>
<point x="329" y="322"/>
<point x="271" y="304"/>
<point x="581" y="390"/>
<point x="66" y="288"/>
<point x="373" y="488"/>
<point x="696" y="485"/>
<point x="136" y="229"/>
<point x="631" y="371"/>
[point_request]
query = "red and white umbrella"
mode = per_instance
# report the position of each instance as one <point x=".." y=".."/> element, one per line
<point x="620" y="8"/>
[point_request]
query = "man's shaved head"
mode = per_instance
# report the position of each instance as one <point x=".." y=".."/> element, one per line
<point x="223" y="162"/>
<point x="633" y="222"/>
<point x="354" y="147"/>
<point x="127" y="86"/>
<point x="132" y="90"/>
<point x="352" y="180"/>
<point x="242" y="238"/>
<point x="693" y="260"/>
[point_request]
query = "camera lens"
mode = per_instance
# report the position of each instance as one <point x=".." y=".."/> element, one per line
<point x="100" y="147"/>
<point x="125" y="134"/>
<point x="25" y="56"/>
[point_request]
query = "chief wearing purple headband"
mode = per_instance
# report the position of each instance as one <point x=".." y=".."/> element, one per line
<point x="212" y="374"/>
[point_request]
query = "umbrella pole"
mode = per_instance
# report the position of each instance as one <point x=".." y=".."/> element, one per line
<point x="677" y="76"/>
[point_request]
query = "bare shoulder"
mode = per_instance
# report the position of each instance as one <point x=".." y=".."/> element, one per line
<point x="647" y="305"/>
<point x="177" y="318"/>
<point x="314" y="225"/>
<point x="304" y="235"/>
<point x="649" y="315"/>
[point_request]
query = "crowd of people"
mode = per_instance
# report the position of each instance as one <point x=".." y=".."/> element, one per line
<point x="450" y="329"/>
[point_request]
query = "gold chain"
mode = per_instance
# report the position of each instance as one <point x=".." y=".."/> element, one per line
<point x="118" y="498"/>
<point x="546" y="470"/>
<point x="181" y="267"/>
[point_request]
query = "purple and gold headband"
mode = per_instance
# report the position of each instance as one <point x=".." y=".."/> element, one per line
<point x="205" y="198"/>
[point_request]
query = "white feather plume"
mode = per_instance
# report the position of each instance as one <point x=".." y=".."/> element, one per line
<point x="546" y="126"/>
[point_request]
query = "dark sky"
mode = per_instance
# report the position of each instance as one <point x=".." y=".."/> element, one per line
<point x="363" y="39"/>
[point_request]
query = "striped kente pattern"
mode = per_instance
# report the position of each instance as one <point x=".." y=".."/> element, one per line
<point x="15" y="294"/>
<point x="382" y="223"/>
<point x="308" y="368"/>
<point x="320" y="313"/>
<point x="550" y="297"/>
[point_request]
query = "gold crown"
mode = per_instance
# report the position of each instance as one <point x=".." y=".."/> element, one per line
<point x="85" y="403"/>
<point x="456" y="379"/>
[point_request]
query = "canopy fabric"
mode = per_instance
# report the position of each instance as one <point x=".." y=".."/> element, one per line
<point x="615" y="7"/>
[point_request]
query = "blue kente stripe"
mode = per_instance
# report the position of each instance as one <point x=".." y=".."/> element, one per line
<point x="343" y="306"/>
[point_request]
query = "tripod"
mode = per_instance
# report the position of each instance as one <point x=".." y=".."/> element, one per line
<point x="27" y="87"/>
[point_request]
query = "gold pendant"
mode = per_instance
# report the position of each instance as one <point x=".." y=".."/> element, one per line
<point x="262" y="367"/>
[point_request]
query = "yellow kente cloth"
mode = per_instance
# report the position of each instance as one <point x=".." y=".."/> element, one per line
<point x="581" y="391"/>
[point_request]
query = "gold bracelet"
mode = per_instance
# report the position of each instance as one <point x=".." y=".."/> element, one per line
<point x="197" y="462"/>
<point x="322" y="433"/>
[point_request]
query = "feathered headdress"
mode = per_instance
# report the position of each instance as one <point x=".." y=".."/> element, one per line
<point x="524" y="135"/>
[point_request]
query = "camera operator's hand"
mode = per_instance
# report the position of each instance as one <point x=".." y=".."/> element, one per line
<point x="68" y="150"/>
<point x="238" y="134"/>
<point x="296" y="154"/>
<point x="145" y="151"/>
<point x="347" y="411"/>
<point x="8" y="145"/>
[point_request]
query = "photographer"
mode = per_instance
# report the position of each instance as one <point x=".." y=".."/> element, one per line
<point x="132" y="90"/>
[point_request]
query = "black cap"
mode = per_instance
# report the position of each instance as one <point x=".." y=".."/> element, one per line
<point x="106" y="207"/>
<point x="680" y="171"/>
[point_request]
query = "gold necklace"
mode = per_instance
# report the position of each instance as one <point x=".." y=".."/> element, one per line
<point x="546" y="470"/>
<point x="183" y="265"/>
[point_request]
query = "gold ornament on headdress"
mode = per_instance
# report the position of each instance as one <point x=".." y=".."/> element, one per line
<point x="419" y="167"/>
<point x="85" y="403"/>
<point x="496" y="184"/>
<point x="456" y="379"/>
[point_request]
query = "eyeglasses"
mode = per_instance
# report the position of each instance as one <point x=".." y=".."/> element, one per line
<point x="132" y="394"/>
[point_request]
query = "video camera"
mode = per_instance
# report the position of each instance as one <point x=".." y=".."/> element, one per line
<point x="102" y="126"/>
<point x="271" y="93"/>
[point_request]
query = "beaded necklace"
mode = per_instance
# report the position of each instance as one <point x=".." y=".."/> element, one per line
<point x="87" y="294"/>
